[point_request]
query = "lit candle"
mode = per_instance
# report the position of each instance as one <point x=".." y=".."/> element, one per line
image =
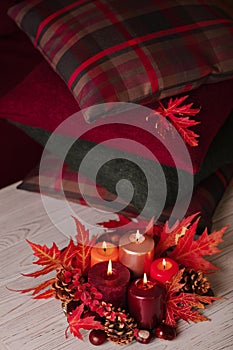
<point x="112" y="280"/>
<point x="163" y="269"/>
<point x="136" y="251"/>
<point x="103" y="251"/>
<point x="146" y="302"/>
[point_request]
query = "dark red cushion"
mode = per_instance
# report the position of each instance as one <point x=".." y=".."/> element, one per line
<point x="42" y="100"/>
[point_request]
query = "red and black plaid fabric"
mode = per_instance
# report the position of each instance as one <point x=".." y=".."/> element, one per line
<point x="131" y="50"/>
<point x="205" y="199"/>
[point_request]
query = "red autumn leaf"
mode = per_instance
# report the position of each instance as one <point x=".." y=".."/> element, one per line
<point x="68" y="254"/>
<point x="132" y="224"/>
<point x="84" y="247"/>
<point x="35" y="290"/>
<point x="168" y="238"/>
<point x="48" y="257"/>
<point x="76" y="322"/>
<point x="183" y="305"/>
<point x="178" y="115"/>
<point x="190" y="252"/>
<point x="113" y="224"/>
<point x="46" y="295"/>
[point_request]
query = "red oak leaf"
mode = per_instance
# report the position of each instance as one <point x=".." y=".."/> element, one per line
<point x="178" y="115"/>
<point x="76" y="322"/>
<point x="190" y="252"/>
<point x="48" y="257"/>
<point x="183" y="305"/>
<point x="169" y="238"/>
<point x="83" y="252"/>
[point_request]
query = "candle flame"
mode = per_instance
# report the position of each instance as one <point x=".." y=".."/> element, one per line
<point x="138" y="235"/>
<point x="109" y="272"/>
<point x="145" y="281"/>
<point x="164" y="263"/>
<point x="104" y="246"/>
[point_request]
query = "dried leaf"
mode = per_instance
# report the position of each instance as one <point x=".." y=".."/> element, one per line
<point x="189" y="252"/>
<point x="84" y="247"/>
<point x="76" y="322"/>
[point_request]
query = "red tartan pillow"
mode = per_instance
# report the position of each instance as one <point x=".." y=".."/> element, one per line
<point x="125" y="51"/>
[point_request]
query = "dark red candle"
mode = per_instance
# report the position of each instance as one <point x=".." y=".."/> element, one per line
<point x="113" y="285"/>
<point x="146" y="302"/>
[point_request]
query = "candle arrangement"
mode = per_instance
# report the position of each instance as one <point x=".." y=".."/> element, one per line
<point x="141" y="296"/>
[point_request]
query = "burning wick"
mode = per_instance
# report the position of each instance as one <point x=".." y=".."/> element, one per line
<point x="109" y="272"/>
<point x="104" y="246"/>
<point x="164" y="263"/>
<point x="145" y="281"/>
<point x="138" y="236"/>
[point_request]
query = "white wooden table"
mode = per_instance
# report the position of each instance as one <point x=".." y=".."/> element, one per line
<point x="31" y="325"/>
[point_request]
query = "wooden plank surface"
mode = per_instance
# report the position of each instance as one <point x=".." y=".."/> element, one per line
<point x="32" y="325"/>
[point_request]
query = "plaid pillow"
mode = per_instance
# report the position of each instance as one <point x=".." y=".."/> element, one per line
<point x="132" y="51"/>
<point x="205" y="199"/>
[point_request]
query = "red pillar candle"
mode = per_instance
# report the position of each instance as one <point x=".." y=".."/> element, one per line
<point x="103" y="251"/>
<point x="136" y="251"/>
<point x="113" y="285"/>
<point x="146" y="302"/>
<point x="163" y="269"/>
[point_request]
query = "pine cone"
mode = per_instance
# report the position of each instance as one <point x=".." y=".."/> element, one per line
<point x="62" y="289"/>
<point x="119" y="329"/>
<point x="195" y="282"/>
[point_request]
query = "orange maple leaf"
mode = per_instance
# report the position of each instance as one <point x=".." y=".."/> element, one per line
<point x="84" y="246"/>
<point x="184" y="305"/>
<point x="48" y="257"/>
<point x="189" y="252"/>
<point x="67" y="254"/>
<point x="76" y="322"/>
<point x="169" y="237"/>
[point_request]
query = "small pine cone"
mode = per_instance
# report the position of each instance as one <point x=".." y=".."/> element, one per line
<point x="120" y="330"/>
<point x="62" y="290"/>
<point x="195" y="282"/>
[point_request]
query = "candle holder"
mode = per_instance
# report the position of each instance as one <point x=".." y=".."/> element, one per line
<point x="111" y="302"/>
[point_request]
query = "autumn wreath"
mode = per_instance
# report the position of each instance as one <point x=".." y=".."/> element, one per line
<point x="187" y="293"/>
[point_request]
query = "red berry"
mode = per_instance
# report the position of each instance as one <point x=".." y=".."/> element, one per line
<point x="97" y="337"/>
<point x="165" y="332"/>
